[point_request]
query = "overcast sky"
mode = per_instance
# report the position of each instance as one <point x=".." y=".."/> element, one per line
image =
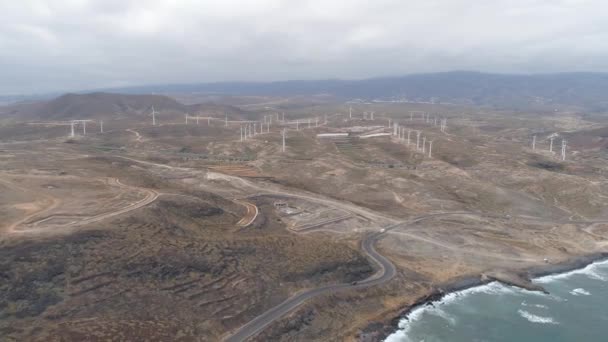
<point x="57" y="45"/>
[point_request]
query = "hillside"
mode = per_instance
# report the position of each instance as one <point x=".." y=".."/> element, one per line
<point x="109" y="105"/>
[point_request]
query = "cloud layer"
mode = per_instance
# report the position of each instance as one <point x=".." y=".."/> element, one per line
<point x="51" y="45"/>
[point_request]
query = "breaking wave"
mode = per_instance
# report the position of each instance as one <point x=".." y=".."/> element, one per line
<point x="536" y="319"/>
<point x="579" y="291"/>
<point x="592" y="271"/>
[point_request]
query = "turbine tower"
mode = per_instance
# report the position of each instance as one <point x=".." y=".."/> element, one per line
<point x="101" y="126"/>
<point x="153" y="116"/>
<point x="551" y="145"/>
<point x="431" y="149"/>
<point x="72" y="129"/>
<point x="283" y="140"/>
<point x="534" y="142"/>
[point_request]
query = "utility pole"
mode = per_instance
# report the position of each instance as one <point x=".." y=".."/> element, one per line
<point x="417" y="140"/>
<point x="317" y="122"/>
<point x="153" y="116"/>
<point x="197" y="119"/>
<point x="389" y="123"/>
<point x="241" y="133"/>
<point x="350" y="112"/>
<point x="534" y="142"/>
<point x="283" y="140"/>
<point x="283" y="118"/>
<point x="84" y="128"/>
<point x="226" y="125"/>
<point x="186" y="118"/>
<point x="431" y="149"/>
<point x="101" y="126"/>
<point x="297" y="125"/>
<point x="409" y="131"/>
<point x="72" y="129"/>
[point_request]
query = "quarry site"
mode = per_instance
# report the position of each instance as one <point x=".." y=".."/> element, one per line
<point x="141" y="217"/>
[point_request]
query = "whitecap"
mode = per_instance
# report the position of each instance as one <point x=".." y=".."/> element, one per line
<point x="493" y="288"/>
<point x="536" y="319"/>
<point x="579" y="291"/>
<point x="540" y="306"/>
<point x="592" y="271"/>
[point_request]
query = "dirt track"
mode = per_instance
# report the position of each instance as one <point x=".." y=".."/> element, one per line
<point x="49" y="203"/>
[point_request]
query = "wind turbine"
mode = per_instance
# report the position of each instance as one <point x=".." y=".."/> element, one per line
<point x="153" y="116"/>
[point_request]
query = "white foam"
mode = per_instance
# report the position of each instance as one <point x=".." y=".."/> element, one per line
<point x="593" y="271"/>
<point x="540" y="306"/>
<point x="401" y="335"/>
<point x="597" y="270"/>
<point x="536" y="319"/>
<point x="579" y="291"/>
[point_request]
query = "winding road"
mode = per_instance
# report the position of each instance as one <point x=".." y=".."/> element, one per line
<point x="385" y="271"/>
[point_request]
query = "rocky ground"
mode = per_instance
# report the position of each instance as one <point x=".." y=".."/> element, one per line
<point x="178" y="266"/>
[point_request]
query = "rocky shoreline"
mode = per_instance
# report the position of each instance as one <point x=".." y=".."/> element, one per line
<point x="379" y="331"/>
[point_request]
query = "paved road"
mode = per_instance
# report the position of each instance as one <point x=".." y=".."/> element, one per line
<point x="386" y="271"/>
<point x="313" y="226"/>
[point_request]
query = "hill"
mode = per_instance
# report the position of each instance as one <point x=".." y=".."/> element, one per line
<point x="106" y="105"/>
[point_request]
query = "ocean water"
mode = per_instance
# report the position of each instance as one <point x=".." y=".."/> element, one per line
<point x="576" y="310"/>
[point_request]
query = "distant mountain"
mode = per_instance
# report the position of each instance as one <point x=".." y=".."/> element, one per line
<point x="107" y="105"/>
<point x="586" y="90"/>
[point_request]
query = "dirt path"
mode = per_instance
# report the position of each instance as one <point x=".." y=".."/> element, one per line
<point x="463" y="250"/>
<point x="250" y="216"/>
<point x="137" y="135"/>
<point x="45" y="205"/>
<point x="150" y="196"/>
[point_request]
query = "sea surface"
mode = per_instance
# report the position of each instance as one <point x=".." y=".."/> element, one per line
<point x="576" y="310"/>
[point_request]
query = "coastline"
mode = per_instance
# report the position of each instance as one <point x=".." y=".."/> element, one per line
<point x="379" y="331"/>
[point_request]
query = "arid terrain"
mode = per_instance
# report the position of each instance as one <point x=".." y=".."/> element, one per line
<point x="191" y="232"/>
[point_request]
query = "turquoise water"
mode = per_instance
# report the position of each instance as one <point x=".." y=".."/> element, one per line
<point x="576" y="310"/>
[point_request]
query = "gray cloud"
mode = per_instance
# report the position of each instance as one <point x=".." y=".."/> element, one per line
<point x="49" y="45"/>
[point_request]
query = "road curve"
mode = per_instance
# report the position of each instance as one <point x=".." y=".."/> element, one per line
<point x="385" y="271"/>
